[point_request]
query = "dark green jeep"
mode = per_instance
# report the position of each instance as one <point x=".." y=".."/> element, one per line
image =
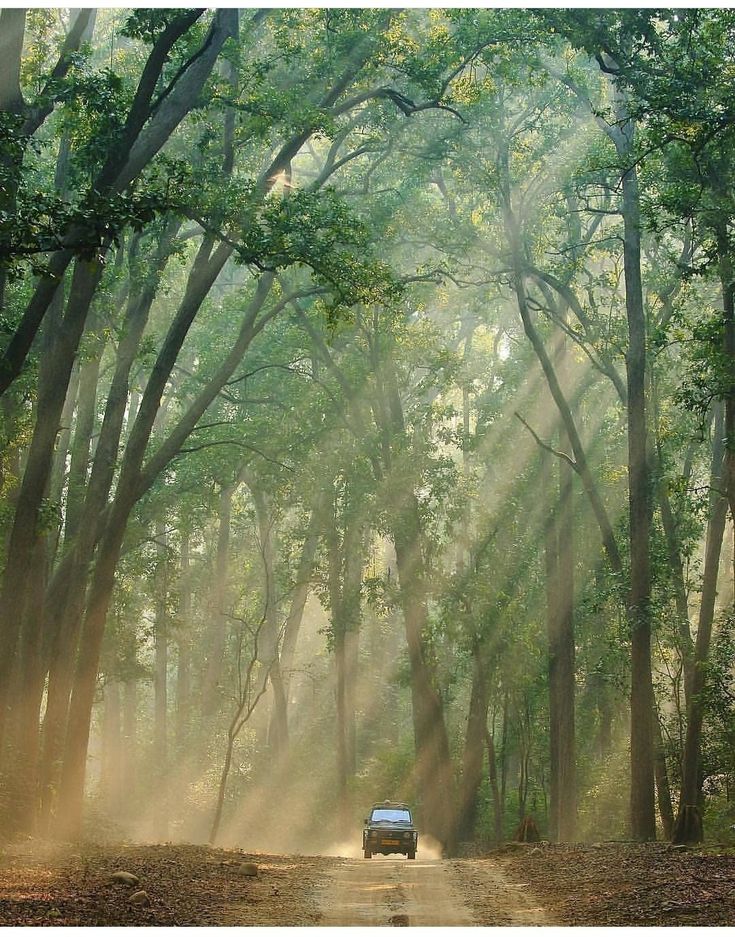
<point x="389" y="829"/>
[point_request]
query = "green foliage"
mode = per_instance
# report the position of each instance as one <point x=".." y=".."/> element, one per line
<point x="149" y="24"/>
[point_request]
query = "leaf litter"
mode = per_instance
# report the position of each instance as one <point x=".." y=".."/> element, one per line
<point x="633" y="884"/>
<point x="185" y="885"/>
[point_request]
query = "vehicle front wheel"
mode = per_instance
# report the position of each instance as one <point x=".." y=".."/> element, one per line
<point x="368" y="854"/>
<point x="410" y="855"/>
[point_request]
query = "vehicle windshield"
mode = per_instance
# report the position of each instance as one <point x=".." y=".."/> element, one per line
<point x="393" y="816"/>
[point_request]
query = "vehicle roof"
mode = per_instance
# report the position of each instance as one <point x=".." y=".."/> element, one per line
<point x="387" y="804"/>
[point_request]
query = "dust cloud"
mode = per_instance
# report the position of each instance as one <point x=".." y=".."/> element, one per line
<point x="347" y="849"/>
<point x="428" y="848"/>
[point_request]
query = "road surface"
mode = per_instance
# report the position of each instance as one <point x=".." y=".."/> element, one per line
<point x="396" y="891"/>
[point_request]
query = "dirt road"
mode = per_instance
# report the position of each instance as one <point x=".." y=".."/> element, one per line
<point x="422" y="893"/>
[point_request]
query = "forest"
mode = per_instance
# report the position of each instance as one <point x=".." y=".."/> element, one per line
<point x="367" y="417"/>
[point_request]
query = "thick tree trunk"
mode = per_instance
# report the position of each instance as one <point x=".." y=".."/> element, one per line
<point x="642" y="804"/>
<point x="474" y="749"/>
<point x="24" y="735"/>
<point x="12" y="33"/>
<point x="66" y="621"/>
<point x="22" y="761"/>
<point x="727" y="286"/>
<point x="551" y="571"/>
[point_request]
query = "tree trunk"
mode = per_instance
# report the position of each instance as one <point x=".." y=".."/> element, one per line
<point x="562" y="663"/>
<point x="130" y="733"/>
<point x="497" y="798"/>
<point x="680" y="590"/>
<point x="551" y="573"/>
<point x="12" y="34"/>
<point x="222" y="789"/>
<point x="58" y="470"/>
<point x="335" y="582"/>
<point x="12" y="31"/>
<point x="473" y="754"/>
<point x="665" y="809"/>
<point x="84" y="427"/>
<point x="160" y="680"/>
<point x="111" y="773"/>
<point x="504" y="751"/>
<point x="211" y="690"/>
<point x="688" y="826"/>
<point x="345" y="583"/>
<point x="183" y="663"/>
<point x="727" y="286"/>
<point x="642" y="804"/>
<point x="24" y="735"/>
<point x="269" y="639"/>
<point x="301" y="589"/>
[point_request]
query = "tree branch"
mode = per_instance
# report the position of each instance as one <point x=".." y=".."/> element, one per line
<point x="560" y="455"/>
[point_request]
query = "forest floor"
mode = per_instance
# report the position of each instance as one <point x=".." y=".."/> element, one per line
<point x="591" y="885"/>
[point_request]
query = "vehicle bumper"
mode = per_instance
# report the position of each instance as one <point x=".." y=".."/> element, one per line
<point x="389" y="845"/>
